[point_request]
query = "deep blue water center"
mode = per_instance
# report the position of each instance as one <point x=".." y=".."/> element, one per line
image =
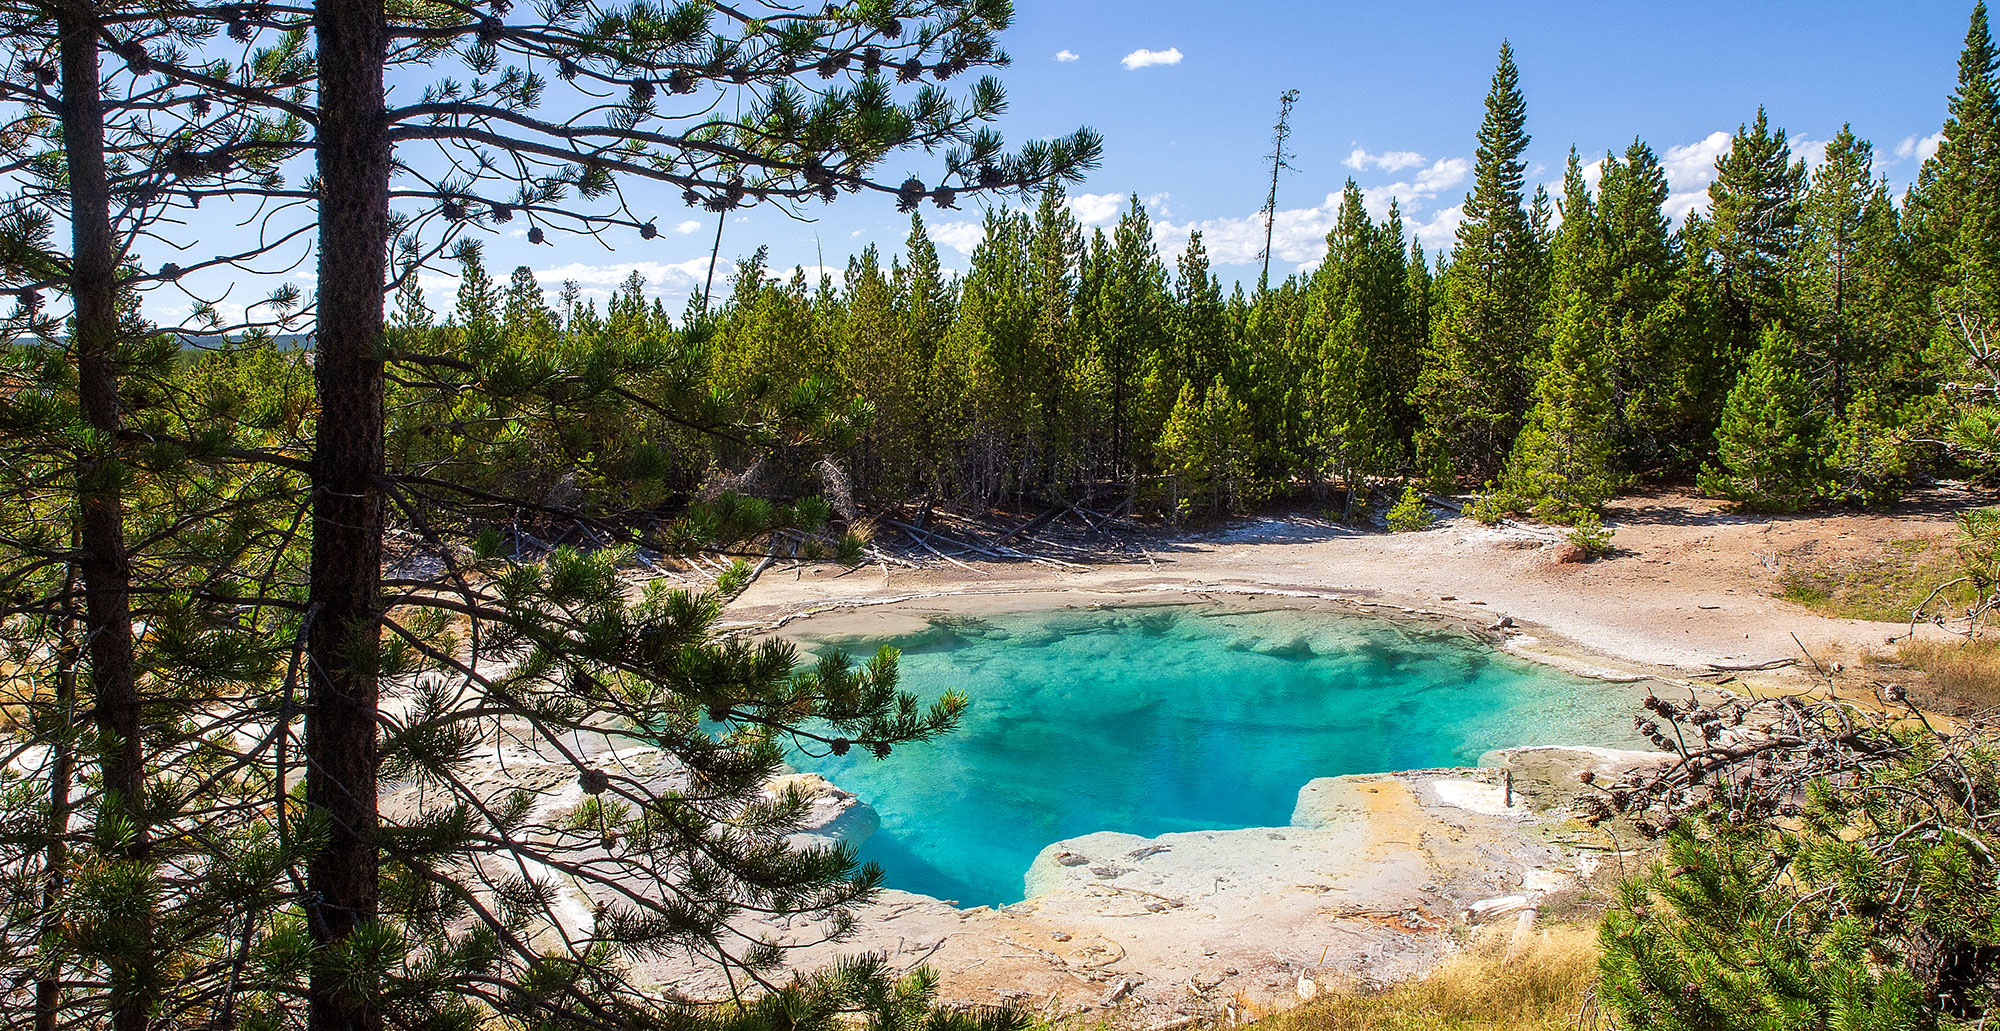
<point x="1177" y="717"/>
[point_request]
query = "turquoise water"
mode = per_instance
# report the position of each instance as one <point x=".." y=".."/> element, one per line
<point x="1173" y="718"/>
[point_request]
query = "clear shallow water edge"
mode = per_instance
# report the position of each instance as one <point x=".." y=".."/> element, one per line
<point x="1150" y="719"/>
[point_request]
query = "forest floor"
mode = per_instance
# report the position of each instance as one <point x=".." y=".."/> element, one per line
<point x="1689" y="585"/>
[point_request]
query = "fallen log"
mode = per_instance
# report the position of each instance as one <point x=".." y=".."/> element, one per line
<point x="1032" y="524"/>
<point x="1752" y="667"/>
<point x="919" y="536"/>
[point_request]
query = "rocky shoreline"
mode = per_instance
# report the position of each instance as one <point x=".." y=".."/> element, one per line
<point x="1370" y="882"/>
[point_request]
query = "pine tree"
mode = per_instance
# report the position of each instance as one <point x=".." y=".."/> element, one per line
<point x="478" y="308"/>
<point x="985" y="361"/>
<point x="1859" y="347"/>
<point x="110" y="494"/>
<point x="1783" y="895"/>
<point x="1559" y="468"/>
<point x="1754" y="212"/>
<point x="524" y="310"/>
<point x="1955" y="204"/>
<point x="926" y="303"/>
<point x="1771" y="443"/>
<point x="1206" y="451"/>
<point x="1656" y="355"/>
<point x="1056" y="351"/>
<point x="1477" y="373"/>
<point x="506" y="160"/>
<point x="1198" y="322"/>
<point x="1130" y="313"/>
<point x="1357" y="306"/>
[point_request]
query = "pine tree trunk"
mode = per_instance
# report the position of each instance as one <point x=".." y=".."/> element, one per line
<point x="62" y="775"/>
<point x="102" y="559"/>
<point x="347" y="500"/>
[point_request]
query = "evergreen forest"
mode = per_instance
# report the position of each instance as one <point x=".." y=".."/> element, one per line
<point x="279" y="582"/>
<point x="1809" y="339"/>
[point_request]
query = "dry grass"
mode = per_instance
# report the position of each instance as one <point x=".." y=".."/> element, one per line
<point x="1966" y="672"/>
<point x="1885" y="586"/>
<point x="1543" y="989"/>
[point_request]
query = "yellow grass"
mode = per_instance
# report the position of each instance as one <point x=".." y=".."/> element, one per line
<point x="1965" y="671"/>
<point x="1543" y="989"/>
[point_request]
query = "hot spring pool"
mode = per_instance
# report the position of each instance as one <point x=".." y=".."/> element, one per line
<point x="1178" y="717"/>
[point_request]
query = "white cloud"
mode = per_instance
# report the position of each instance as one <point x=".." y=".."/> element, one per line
<point x="813" y="273"/>
<point x="1388" y="161"/>
<point x="1690" y="167"/>
<point x="1148" y="58"/>
<point x="1443" y="174"/>
<point x="1067" y="56"/>
<point x="606" y="277"/>
<point x="687" y="227"/>
<point x="1096" y="209"/>
<point x="1593" y="173"/>
<point x="959" y="236"/>
<point x="1921" y="148"/>
<point x="1298" y="235"/>
<point x="1439" y="176"/>
<point x="1812" y="151"/>
<point x="1101" y="209"/>
<point x="1442" y="229"/>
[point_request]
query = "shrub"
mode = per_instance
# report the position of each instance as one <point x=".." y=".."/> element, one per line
<point x="1591" y="535"/>
<point x="1825" y="867"/>
<point x="1410" y="512"/>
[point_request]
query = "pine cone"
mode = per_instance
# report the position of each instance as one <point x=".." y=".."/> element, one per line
<point x="593" y="781"/>
<point x="535" y="234"/>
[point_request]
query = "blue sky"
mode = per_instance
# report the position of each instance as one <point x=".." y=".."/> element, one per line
<point x="1390" y="94"/>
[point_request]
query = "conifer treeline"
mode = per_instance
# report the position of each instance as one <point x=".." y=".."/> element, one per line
<point x="1799" y="342"/>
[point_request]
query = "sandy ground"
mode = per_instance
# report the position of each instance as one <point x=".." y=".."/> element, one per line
<point x="1374" y="871"/>
<point x="1689" y="584"/>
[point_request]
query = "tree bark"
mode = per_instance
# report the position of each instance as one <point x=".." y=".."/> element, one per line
<point x="102" y="560"/>
<point x="347" y="500"/>
<point x="62" y="775"/>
